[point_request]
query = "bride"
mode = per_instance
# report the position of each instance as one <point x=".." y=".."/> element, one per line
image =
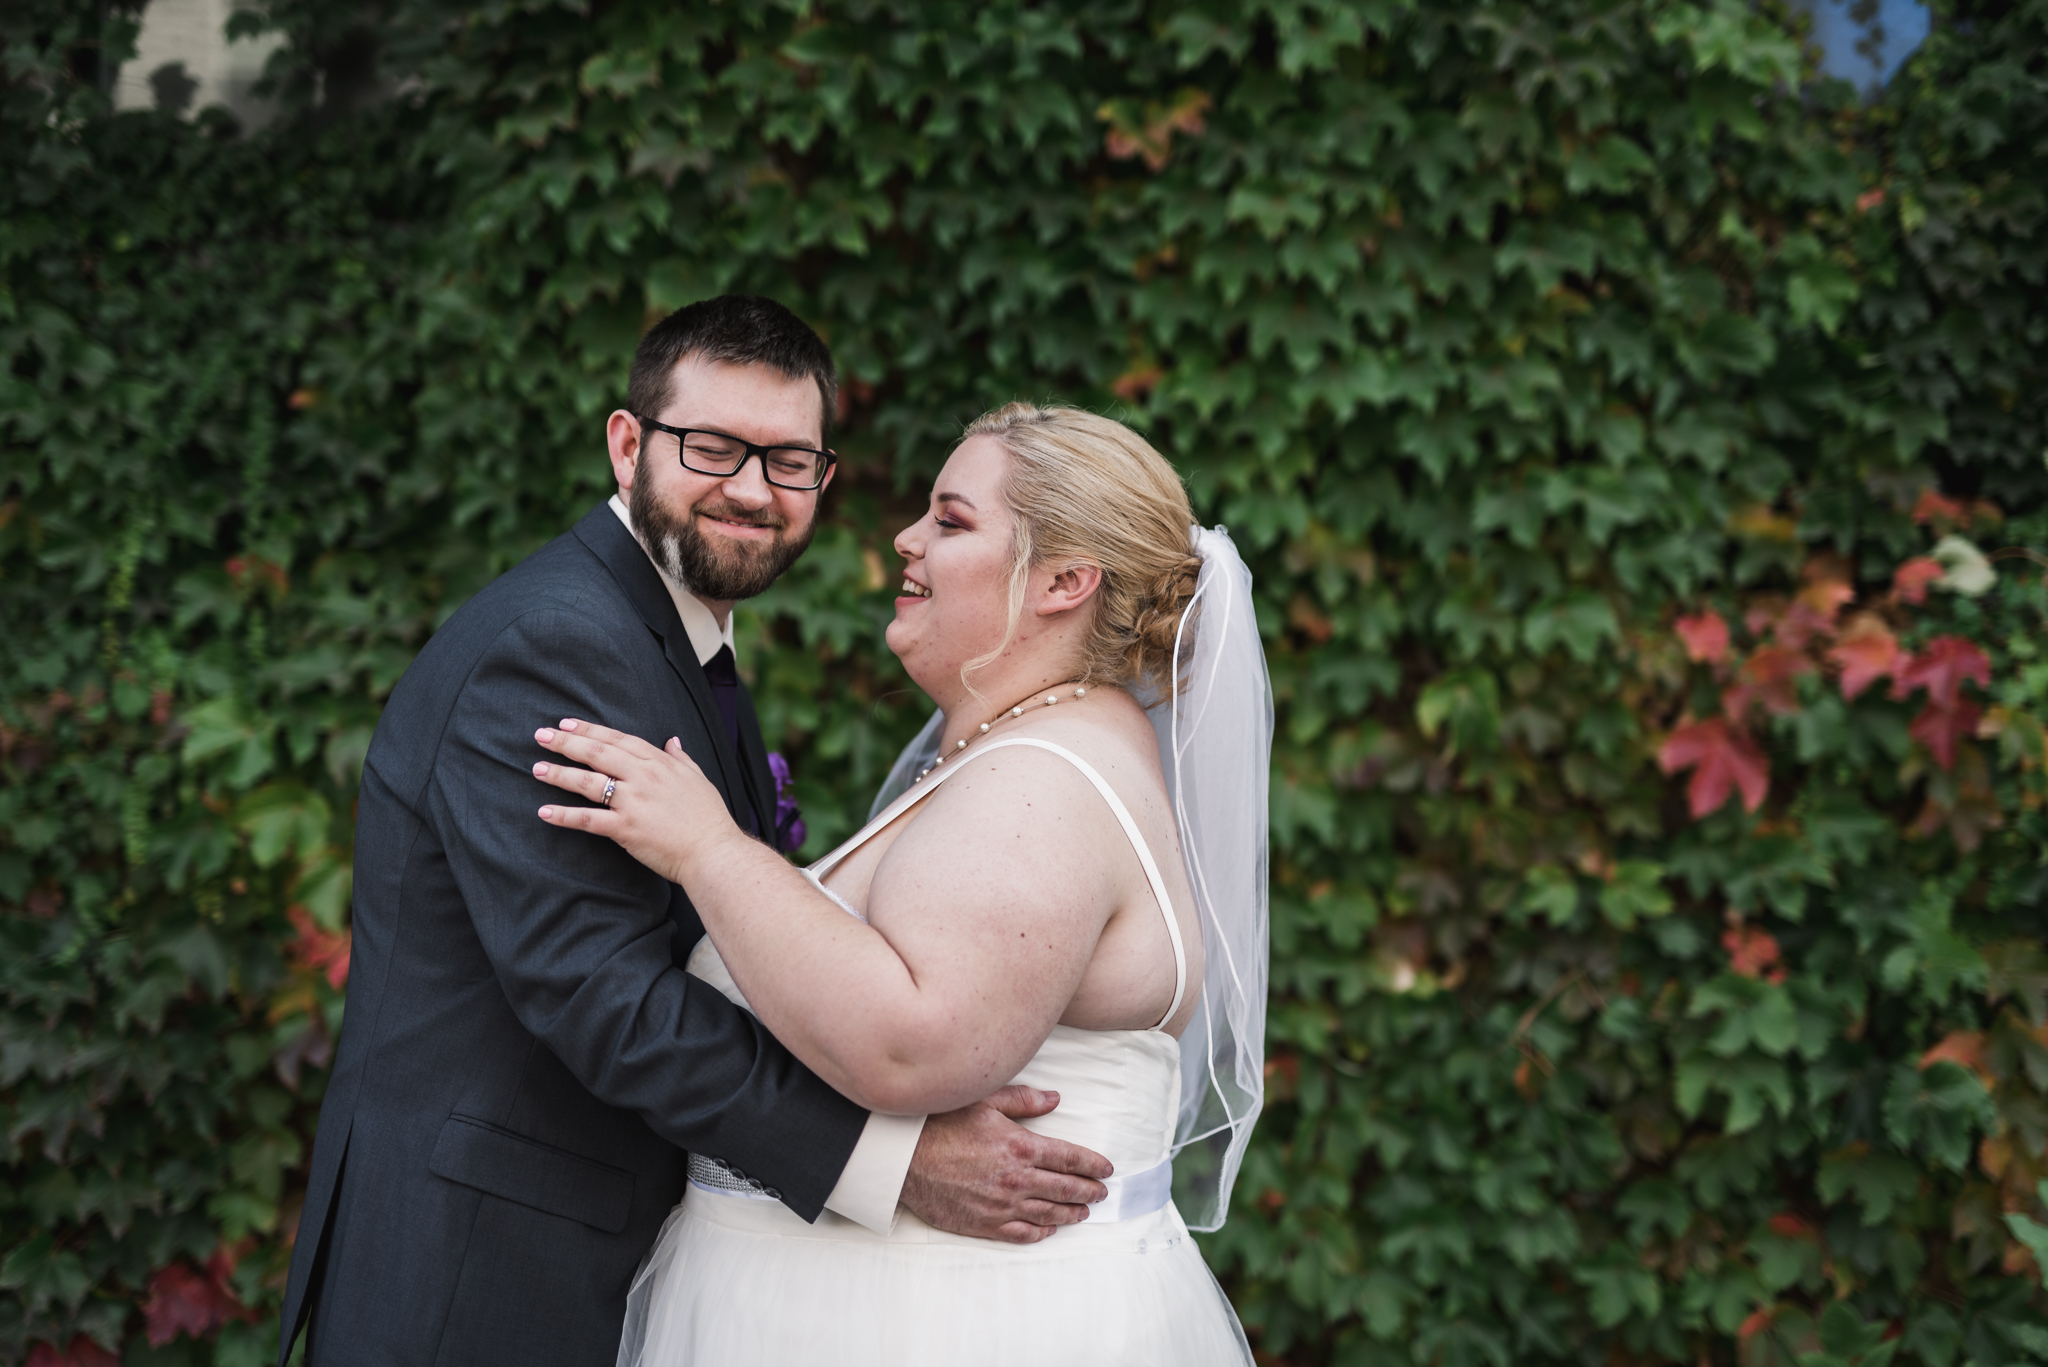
<point x="1069" y="893"/>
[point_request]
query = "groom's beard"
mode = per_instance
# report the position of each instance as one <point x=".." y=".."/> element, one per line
<point x="722" y="573"/>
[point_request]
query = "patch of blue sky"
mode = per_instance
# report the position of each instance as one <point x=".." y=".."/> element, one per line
<point x="1865" y="42"/>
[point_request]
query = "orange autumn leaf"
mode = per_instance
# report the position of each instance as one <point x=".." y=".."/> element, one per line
<point x="1705" y="635"/>
<point x="1758" y="1321"/>
<point x="1723" y="759"/>
<point x="1827" y="596"/>
<point x="1761" y="521"/>
<point x="1866" y="653"/>
<point x="1769" y="676"/>
<point x="1150" y="134"/>
<point x="1135" y="383"/>
<point x="1752" y="953"/>
<point x="1911" y="579"/>
<point x="1964" y="1048"/>
<point x="1786" y="1225"/>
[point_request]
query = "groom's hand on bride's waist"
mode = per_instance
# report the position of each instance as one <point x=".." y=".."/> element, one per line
<point x="978" y="1172"/>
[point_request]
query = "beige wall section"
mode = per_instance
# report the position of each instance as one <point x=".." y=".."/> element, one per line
<point x="194" y="33"/>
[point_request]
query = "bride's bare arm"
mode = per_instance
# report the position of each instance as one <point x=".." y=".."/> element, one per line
<point x="983" y="920"/>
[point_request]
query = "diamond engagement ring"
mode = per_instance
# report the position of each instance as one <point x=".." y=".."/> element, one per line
<point x="611" y="785"/>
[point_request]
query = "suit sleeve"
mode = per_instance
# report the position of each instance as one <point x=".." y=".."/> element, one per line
<point x="579" y="932"/>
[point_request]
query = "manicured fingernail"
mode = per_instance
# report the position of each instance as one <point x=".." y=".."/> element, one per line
<point x="540" y="771"/>
<point x="547" y="814"/>
<point x="545" y="735"/>
<point x="568" y="726"/>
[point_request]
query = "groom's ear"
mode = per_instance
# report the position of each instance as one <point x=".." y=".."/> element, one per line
<point x="622" y="441"/>
<point x="1070" y="589"/>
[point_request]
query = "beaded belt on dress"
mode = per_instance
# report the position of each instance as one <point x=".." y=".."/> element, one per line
<point x="1139" y="1193"/>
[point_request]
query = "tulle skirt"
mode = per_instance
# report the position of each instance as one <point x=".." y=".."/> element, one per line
<point x="734" y="1282"/>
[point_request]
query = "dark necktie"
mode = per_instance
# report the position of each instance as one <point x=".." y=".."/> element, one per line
<point x="725" y="691"/>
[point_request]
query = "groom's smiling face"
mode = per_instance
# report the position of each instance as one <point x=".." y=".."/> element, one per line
<point x="724" y="537"/>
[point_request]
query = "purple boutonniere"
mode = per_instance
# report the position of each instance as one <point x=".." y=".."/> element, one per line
<point x="789" y="822"/>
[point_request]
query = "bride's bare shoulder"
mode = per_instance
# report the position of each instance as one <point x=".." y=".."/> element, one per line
<point x="1119" y="727"/>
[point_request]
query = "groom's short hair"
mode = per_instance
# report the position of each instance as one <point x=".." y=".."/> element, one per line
<point x="737" y="329"/>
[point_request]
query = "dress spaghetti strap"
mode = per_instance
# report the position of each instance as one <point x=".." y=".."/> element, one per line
<point x="819" y="871"/>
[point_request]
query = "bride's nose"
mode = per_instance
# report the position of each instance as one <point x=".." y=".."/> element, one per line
<point x="909" y="542"/>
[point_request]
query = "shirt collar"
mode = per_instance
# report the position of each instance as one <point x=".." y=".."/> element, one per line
<point x="706" y="636"/>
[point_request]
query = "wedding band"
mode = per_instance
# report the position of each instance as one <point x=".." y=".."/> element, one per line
<point x="611" y="785"/>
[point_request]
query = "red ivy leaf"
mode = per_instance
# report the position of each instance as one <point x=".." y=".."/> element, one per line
<point x="1768" y="676"/>
<point x="1705" y="635"/>
<point x="181" y="1301"/>
<point x="1758" y="1321"/>
<point x="1721" y="758"/>
<point x="1912" y="578"/>
<point x="1801" y="623"/>
<point x="1964" y="1048"/>
<point x="1786" y="1225"/>
<point x="1941" y="669"/>
<point x="320" y="949"/>
<point x="1751" y="952"/>
<point x="1933" y="507"/>
<point x="1867" y="652"/>
<point x="1940" y="728"/>
<point x="83" y="1352"/>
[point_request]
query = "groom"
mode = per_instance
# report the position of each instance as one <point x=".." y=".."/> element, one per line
<point x="524" y="1062"/>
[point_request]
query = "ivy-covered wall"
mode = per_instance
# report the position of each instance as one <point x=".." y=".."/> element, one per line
<point x="1640" y="448"/>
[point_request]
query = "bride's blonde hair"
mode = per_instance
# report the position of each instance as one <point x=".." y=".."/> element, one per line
<point x="1087" y="490"/>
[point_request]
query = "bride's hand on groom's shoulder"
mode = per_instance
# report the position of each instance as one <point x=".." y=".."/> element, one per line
<point x="660" y="807"/>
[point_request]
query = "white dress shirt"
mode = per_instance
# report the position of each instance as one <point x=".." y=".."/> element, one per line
<point x="872" y="1179"/>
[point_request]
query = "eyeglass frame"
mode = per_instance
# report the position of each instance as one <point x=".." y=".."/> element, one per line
<point x="752" y="451"/>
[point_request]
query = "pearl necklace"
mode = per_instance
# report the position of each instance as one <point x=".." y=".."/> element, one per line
<point x="1017" y="711"/>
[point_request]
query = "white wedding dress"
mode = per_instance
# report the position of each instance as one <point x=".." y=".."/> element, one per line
<point x="737" y="1280"/>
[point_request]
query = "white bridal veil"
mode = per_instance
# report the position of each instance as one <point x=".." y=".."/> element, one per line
<point x="1215" y="725"/>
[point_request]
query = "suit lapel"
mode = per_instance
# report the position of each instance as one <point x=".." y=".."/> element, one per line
<point x="627" y="560"/>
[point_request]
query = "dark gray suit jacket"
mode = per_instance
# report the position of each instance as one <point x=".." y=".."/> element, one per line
<point x="524" y="1061"/>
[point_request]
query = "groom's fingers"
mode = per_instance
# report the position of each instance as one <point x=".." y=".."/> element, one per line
<point x="1019" y="1232"/>
<point x="1050" y="1215"/>
<point x="1023" y="1103"/>
<point x="1050" y="1186"/>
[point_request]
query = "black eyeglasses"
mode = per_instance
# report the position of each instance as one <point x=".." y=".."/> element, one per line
<point x="720" y="453"/>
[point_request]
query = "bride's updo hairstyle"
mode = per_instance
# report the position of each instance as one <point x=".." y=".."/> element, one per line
<point x="1087" y="490"/>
